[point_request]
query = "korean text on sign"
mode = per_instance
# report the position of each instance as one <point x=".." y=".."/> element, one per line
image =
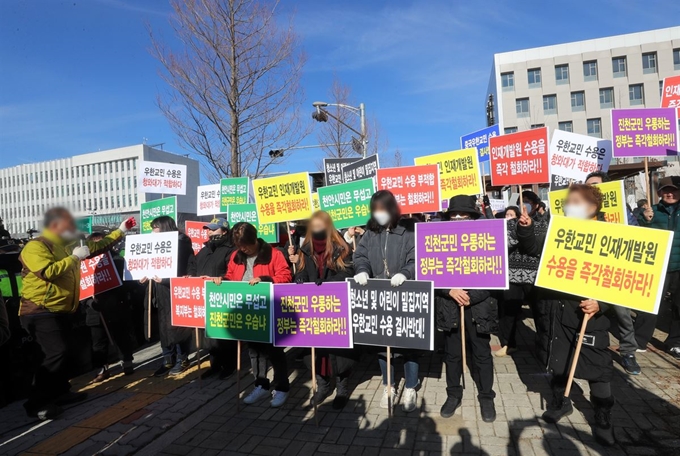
<point x="151" y="255"/>
<point x="458" y="172"/>
<point x="156" y="208"/>
<point x="361" y="169"/>
<point x="283" y="198"/>
<point x="238" y="311"/>
<point x="233" y="190"/>
<point x="623" y="265"/>
<point x="310" y="315"/>
<point x="416" y="188"/>
<point x="670" y="96"/>
<point x="520" y="158"/>
<point x="469" y="254"/>
<point x="400" y="317"/>
<point x="614" y="207"/>
<point x="644" y="132"/>
<point x="480" y="141"/>
<point x="333" y="169"/>
<point x="161" y="177"/>
<point x="574" y="156"/>
<point x="187" y="302"/>
<point x="248" y="213"/>
<point x="97" y="275"/>
<point x="197" y="234"/>
<point x="208" y="200"/>
<point x="347" y="204"/>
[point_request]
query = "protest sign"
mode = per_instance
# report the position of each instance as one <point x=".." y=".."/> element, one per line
<point x="187" y="303"/>
<point x="238" y="311"/>
<point x="400" y="317"/>
<point x="625" y="266"/>
<point x="644" y="132"/>
<point x="151" y="255"/>
<point x="161" y="177"/>
<point x="469" y="254"/>
<point x="248" y="213"/>
<point x="84" y="224"/>
<point x="520" y="158"/>
<point x="458" y="172"/>
<point x="208" y="200"/>
<point x="156" y="208"/>
<point x="97" y="275"/>
<point x="497" y="205"/>
<point x="614" y="207"/>
<point x="480" y="141"/>
<point x="670" y="96"/>
<point x="197" y="234"/>
<point x="311" y="315"/>
<point x="348" y="204"/>
<point x="361" y="169"/>
<point x="332" y="168"/>
<point x="416" y="188"/>
<point x="283" y="198"/>
<point x="574" y="156"/>
<point x="316" y="205"/>
<point x="233" y="190"/>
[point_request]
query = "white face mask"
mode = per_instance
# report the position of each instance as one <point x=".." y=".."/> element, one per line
<point x="577" y="211"/>
<point x="69" y="235"/>
<point x="528" y="207"/>
<point x="382" y="217"/>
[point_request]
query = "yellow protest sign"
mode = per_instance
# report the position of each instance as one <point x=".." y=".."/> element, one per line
<point x="613" y="206"/>
<point x="316" y="205"/>
<point x="616" y="264"/>
<point x="283" y="198"/>
<point x="458" y="172"/>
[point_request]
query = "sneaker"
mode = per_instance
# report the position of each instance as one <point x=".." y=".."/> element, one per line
<point x="278" y="398"/>
<point x="449" y="407"/>
<point x="630" y="364"/>
<point x="409" y="400"/>
<point x="49" y="412"/>
<point x="163" y="369"/>
<point x="341" y="393"/>
<point x="70" y="398"/>
<point x="180" y="366"/>
<point x="675" y="352"/>
<point x="501" y="352"/>
<point x="487" y="409"/>
<point x="384" y="401"/>
<point x="256" y="395"/>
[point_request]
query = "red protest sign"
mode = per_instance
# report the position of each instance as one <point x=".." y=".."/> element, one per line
<point x="416" y="188"/>
<point x="520" y="158"/>
<point x="188" y="302"/>
<point x="97" y="275"/>
<point x="197" y="234"/>
<point x="670" y="97"/>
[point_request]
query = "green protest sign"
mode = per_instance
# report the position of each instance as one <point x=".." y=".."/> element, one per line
<point x="84" y="224"/>
<point x="248" y="213"/>
<point x="238" y="311"/>
<point x="152" y="209"/>
<point x="347" y="204"/>
<point x="233" y="190"/>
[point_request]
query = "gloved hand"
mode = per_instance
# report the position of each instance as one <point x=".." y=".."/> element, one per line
<point x="398" y="279"/>
<point x="361" y="278"/>
<point x="82" y="252"/>
<point x="318" y="282"/>
<point x="128" y="224"/>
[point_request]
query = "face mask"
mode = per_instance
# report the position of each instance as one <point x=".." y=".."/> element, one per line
<point x="528" y="207"/>
<point x="318" y="235"/>
<point x="576" y="211"/>
<point x="292" y="224"/>
<point x="382" y="217"/>
<point x="215" y="237"/>
<point x="301" y="230"/>
<point x="69" y="235"/>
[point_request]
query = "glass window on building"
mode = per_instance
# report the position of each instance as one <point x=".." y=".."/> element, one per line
<point x="507" y="82"/>
<point x="607" y="98"/>
<point x="578" y="101"/>
<point x="508" y="130"/>
<point x="550" y="104"/>
<point x="595" y="127"/>
<point x="116" y="166"/>
<point x="619" y="67"/>
<point x="649" y="62"/>
<point x="590" y="70"/>
<point x="522" y="107"/>
<point x="535" y="126"/>
<point x="562" y="74"/>
<point x="676" y="59"/>
<point x="534" y="76"/>
<point x="636" y="94"/>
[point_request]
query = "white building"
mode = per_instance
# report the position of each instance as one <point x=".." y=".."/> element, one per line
<point x="98" y="183"/>
<point x="573" y="86"/>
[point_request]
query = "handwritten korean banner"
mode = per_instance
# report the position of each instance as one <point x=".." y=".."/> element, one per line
<point x="238" y="311"/>
<point x="416" y="188"/>
<point x="361" y="169"/>
<point x="520" y="158"/>
<point x="623" y="265"/>
<point x="613" y="206"/>
<point x="197" y="234"/>
<point x="644" y="132"/>
<point x="97" y="275"/>
<point x="347" y="204"/>
<point x="151" y="255"/>
<point x="269" y="232"/>
<point x="187" y="302"/>
<point x="333" y="169"/>
<point x="233" y="190"/>
<point x="670" y="96"/>
<point x="574" y="156"/>
<point x="161" y="177"/>
<point x="458" y="172"/>
<point x="208" y="200"/>
<point x="310" y="315"/>
<point x="153" y="209"/>
<point x="467" y="254"/>
<point x="480" y="141"/>
<point x="316" y="205"/>
<point x="283" y="198"/>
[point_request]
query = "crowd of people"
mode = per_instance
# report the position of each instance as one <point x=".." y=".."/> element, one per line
<point x="316" y="252"/>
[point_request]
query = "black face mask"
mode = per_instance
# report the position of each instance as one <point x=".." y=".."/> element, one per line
<point x="318" y="235"/>
<point x="301" y="230"/>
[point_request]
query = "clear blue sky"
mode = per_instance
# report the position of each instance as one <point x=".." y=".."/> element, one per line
<point x="76" y="76"/>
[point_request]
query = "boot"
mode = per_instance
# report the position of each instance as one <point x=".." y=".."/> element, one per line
<point x="165" y="367"/>
<point x="561" y="406"/>
<point x="341" y="393"/>
<point x="603" y="430"/>
<point x="323" y="390"/>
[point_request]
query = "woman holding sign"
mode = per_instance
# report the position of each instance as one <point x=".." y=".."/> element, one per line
<point x="567" y="314"/>
<point x="387" y="251"/>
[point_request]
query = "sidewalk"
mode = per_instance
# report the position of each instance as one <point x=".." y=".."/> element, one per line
<point x="146" y="416"/>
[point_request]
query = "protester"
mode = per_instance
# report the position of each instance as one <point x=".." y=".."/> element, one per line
<point x="255" y="261"/>
<point x="175" y="340"/>
<point x="599" y="177"/>
<point x="387" y="251"/>
<point x="481" y="319"/>
<point x="642" y="206"/>
<point x="51" y="271"/>
<point x="325" y="257"/>
<point x="512" y="212"/>
<point x="566" y="313"/>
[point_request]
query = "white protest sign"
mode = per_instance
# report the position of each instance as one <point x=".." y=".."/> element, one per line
<point x="574" y="156"/>
<point x="497" y="205"/>
<point x="208" y="199"/>
<point x="163" y="178"/>
<point x="151" y="255"/>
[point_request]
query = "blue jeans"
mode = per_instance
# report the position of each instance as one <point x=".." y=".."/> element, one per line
<point x="410" y="368"/>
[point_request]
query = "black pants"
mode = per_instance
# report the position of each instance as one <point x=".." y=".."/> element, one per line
<point x="482" y="360"/>
<point x="101" y="346"/>
<point x="509" y="310"/>
<point x="260" y="353"/>
<point x="222" y="354"/>
<point x="53" y="334"/>
<point x="645" y="323"/>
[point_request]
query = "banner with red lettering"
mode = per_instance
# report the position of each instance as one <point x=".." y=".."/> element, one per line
<point x="520" y="158"/>
<point x="416" y="188"/>
<point x="187" y="303"/>
<point x="670" y="96"/>
<point x="151" y="255"/>
<point x="98" y="275"/>
<point x="197" y="234"/>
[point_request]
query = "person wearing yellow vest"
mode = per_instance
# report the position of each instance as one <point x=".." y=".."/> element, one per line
<point x="50" y="295"/>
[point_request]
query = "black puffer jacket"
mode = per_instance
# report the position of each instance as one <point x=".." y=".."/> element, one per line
<point x="310" y="273"/>
<point x="113" y="304"/>
<point x="483" y="306"/>
<point x="212" y="259"/>
<point x="395" y="247"/>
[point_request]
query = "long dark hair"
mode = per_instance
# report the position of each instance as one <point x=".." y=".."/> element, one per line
<point x="165" y="223"/>
<point x="333" y="241"/>
<point x="386" y="199"/>
<point x="244" y="234"/>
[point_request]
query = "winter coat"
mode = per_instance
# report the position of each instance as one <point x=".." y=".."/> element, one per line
<point x="483" y="306"/>
<point x="270" y="265"/>
<point x="310" y="273"/>
<point x="213" y="258"/>
<point x="395" y="247"/>
<point x="666" y="218"/>
<point x="113" y="304"/>
<point x="522" y="266"/>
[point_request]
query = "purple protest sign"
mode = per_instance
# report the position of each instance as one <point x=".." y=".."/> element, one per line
<point x="469" y="254"/>
<point x="644" y="132"/>
<point x="310" y="315"/>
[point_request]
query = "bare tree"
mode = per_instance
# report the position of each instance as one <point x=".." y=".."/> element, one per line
<point x="234" y="86"/>
<point x="333" y="136"/>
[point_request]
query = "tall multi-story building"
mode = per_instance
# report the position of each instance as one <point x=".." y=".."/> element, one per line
<point x="102" y="184"/>
<point x="573" y="86"/>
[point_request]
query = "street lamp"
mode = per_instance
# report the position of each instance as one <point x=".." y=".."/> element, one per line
<point x="320" y="114"/>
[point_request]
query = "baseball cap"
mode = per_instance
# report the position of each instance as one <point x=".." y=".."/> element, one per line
<point x="669" y="181"/>
<point x="217" y="223"/>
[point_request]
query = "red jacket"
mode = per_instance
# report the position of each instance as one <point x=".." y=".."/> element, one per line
<point x="270" y="265"/>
